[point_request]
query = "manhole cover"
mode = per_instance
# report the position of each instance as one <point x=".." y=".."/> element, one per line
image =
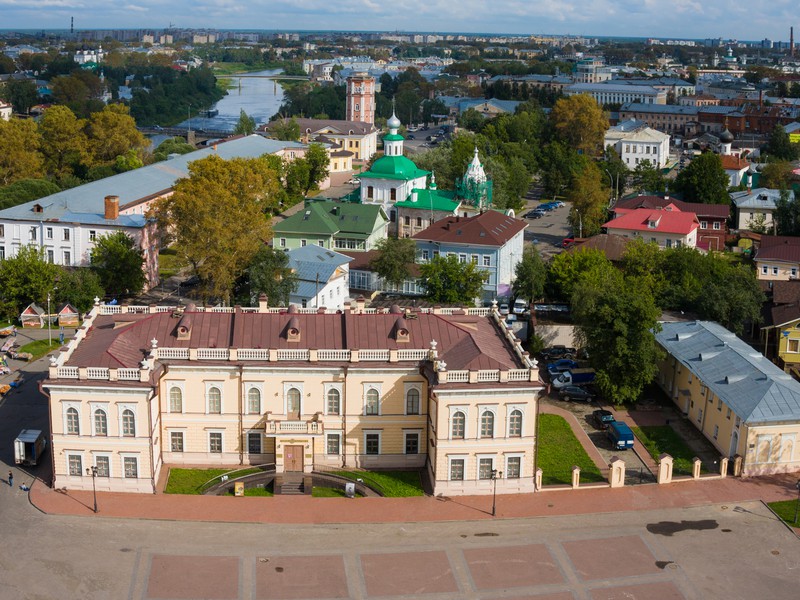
<point x="775" y="552"/>
<point x="279" y="569"/>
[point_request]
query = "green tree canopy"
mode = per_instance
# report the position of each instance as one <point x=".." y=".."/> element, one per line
<point x="776" y="175"/>
<point x="589" y="198"/>
<point x="25" y="190"/>
<point x="530" y="274"/>
<point x="287" y="130"/>
<point x="704" y="180"/>
<point x="394" y="259"/>
<point x="21" y="93"/>
<point x="175" y="145"/>
<point x="118" y="263"/>
<point x="19" y="151"/>
<point x="780" y="147"/>
<point x="24" y="278"/>
<point x="318" y="165"/>
<point x="64" y="142"/>
<point x="452" y="282"/>
<point x="565" y="270"/>
<point x="646" y="177"/>
<point x="112" y="133"/>
<point x="580" y="123"/>
<point x="269" y="273"/>
<point x="79" y="287"/>
<point x="245" y="125"/>
<point x="787" y="214"/>
<point x="217" y="216"/>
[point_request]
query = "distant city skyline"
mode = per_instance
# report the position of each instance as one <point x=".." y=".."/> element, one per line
<point x="680" y="19"/>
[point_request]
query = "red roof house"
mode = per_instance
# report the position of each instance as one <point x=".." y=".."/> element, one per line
<point x="668" y="227"/>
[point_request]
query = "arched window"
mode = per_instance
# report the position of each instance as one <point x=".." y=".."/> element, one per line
<point x="487" y="424"/>
<point x="458" y="425"/>
<point x="373" y="401"/>
<point x="254" y="401"/>
<point x="73" y="422"/>
<point x="100" y="422"/>
<point x="293" y="403"/>
<point x="214" y="400"/>
<point x="175" y="400"/>
<point x="333" y="402"/>
<point x="515" y="424"/>
<point x="412" y="402"/>
<point x="128" y="423"/>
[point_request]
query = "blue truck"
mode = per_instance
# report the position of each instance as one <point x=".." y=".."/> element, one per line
<point x="620" y="435"/>
<point x="574" y="377"/>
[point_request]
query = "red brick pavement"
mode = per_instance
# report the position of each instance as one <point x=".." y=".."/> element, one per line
<point x="302" y="509"/>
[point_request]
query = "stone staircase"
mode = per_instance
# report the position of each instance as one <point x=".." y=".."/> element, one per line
<point x="292" y="485"/>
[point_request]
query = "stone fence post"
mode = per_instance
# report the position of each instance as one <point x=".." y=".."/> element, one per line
<point x="665" y="468"/>
<point x="538" y="480"/>
<point x="723" y="466"/>
<point x="576" y="477"/>
<point x="696" y="464"/>
<point x="616" y="473"/>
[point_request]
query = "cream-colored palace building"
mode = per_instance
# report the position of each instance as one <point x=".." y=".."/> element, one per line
<point x="142" y="388"/>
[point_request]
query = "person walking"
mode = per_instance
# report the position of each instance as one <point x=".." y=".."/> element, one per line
<point x="11" y="479"/>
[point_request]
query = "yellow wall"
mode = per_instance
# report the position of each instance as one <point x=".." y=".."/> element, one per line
<point x="789" y="343"/>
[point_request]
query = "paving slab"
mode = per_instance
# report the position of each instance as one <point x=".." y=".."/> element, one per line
<point x="189" y="577"/>
<point x="295" y="577"/>
<point x="408" y="574"/>
<point x="513" y="566"/>
<point x="611" y="557"/>
<point x="646" y="591"/>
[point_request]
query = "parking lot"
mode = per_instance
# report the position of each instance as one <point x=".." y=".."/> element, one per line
<point x="546" y="232"/>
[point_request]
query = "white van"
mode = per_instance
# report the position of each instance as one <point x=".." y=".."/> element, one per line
<point x="520" y="306"/>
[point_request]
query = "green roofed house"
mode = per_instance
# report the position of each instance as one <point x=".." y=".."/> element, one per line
<point x="422" y="208"/>
<point x="333" y="225"/>
<point x="393" y="176"/>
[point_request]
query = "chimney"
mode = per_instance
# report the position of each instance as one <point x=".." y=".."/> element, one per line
<point x="111" y="208"/>
<point x="791" y="42"/>
<point x="262" y="303"/>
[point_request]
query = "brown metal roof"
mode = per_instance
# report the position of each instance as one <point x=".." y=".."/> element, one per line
<point x="491" y="228"/>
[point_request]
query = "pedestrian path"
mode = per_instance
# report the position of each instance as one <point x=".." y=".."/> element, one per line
<point x="303" y="509"/>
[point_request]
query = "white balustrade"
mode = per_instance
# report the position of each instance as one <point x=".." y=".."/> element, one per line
<point x="333" y="355"/>
<point x="519" y="375"/>
<point x="292" y="354"/>
<point x="489" y="375"/>
<point x="457" y="376"/>
<point x="412" y="355"/>
<point x="67" y="372"/>
<point x="173" y="353"/>
<point x="96" y="373"/>
<point x="253" y="354"/>
<point x="373" y="355"/>
<point x="128" y="374"/>
<point x="213" y="354"/>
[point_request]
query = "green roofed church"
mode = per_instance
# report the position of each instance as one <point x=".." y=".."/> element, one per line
<point x="334" y="225"/>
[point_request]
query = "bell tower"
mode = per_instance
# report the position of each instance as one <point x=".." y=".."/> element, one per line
<point x="361" y="98"/>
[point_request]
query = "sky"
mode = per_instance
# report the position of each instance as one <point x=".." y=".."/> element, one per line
<point x="692" y="19"/>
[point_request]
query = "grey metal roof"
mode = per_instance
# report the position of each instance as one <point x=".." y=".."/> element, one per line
<point x="84" y="203"/>
<point x="613" y="87"/>
<point x="313" y="263"/>
<point x="670" y="109"/>
<point x="751" y="385"/>
<point x="763" y="198"/>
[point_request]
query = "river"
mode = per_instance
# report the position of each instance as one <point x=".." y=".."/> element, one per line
<point x="260" y="99"/>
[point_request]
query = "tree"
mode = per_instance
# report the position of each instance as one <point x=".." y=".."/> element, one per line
<point x="530" y="274"/>
<point x="779" y="145"/>
<point x="787" y="214"/>
<point x="471" y="119"/>
<point x="646" y="177"/>
<point x="589" y="200"/>
<point x="616" y="318"/>
<point x="118" y="262"/>
<point x="394" y="259"/>
<point x="704" y="180"/>
<point x="217" y="216"/>
<point x="24" y="278"/>
<point x="318" y="163"/>
<point x="580" y="123"/>
<point x="447" y="280"/>
<point x="64" y="142"/>
<point x="566" y="268"/>
<point x="21" y="93"/>
<point x="776" y="175"/>
<point x="286" y="130"/>
<point x="79" y="287"/>
<point x="246" y="124"/>
<point x="25" y="190"/>
<point x="112" y="133"/>
<point x="19" y="151"/>
<point x="758" y="224"/>
<point x="174" y="145"/>
<point x="270" y="274"/>
<point x="559" y="165"/>
<point x="616" y="171"/>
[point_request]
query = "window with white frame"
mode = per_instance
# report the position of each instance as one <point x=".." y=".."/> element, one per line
<point x="128" y="423"/>
<point x="73" y="421"/>
<point x="213" y="400"/>
<point x="254" y="401"/>
<point x="717" y="225"/>
<point x="215" y="442"/>
<point x="372" y="402"/>
<point x="130" y="465"/>
<point x="764" y="269"/>
<point x="515" y="423"/>
<point x="457" y="469"/>
<point x="67" y="258"/>
<point x="412" y="401"/>
<point x="254" y="442"/>
<point x="175" y="399"/>
<point x="100" y="422"/>
<point x="176" y="441"/>
<point x="487" y="424"/>
<point x="485" y="467"/>
<point x="425" y="255"/>
<point x="487" y="261"/>
<point x="333" y="443"/>
<point x="92" y="235"/>
<point x="66" y="235"/>
<point x="103" y="464"/>
<point x="458" y="424"/>
<point x="282" y="242"/>
<point x="333" y="401"/>
<point x="462" y="258"/>
<point x="48" y="233"/>
<point x="774" y="270"/>
<point x="412" y="442"/>
<point x="75" y="465"/>
<point x="703" y="225"/>
<point x="513" y="467"/>
<point x="372" y="442"/>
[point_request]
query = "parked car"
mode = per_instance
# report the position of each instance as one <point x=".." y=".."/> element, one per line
<point x="558" y="351"/>
<point x="504" y="309"/>
<point x="567" y="242"/>
<point x="520" y="306"/>
<point x="620" y="435"/>
<point x="574" y="377"/>
<point x="558" y="203"/>
<point x="573" y="392"/>
<point x="602" y="418"/>
<point x="561" y="365"/>
<point x="547" y="206"/>
<point x="410" y="136"/>
<point x="537" y="213"/>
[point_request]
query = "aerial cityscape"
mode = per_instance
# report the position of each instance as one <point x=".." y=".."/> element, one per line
<point x="399" y="301"/>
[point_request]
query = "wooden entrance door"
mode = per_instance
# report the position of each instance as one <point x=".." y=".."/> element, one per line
<point x="294" y="458"/>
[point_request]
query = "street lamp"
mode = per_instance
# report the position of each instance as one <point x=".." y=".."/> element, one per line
<point x="614" y="186"/>
<point x="495" y="475"/>
<point x="797" y="504"/>
<point x="93" y="472"/>
<point x="49" y="330"/>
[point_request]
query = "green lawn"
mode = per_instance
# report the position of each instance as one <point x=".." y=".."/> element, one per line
<point x="785" y="509"/>
<point x="39" y="348"/>
<point x="169" y="263"/>
<point x="327" y="492"/>
<point x="559" y="450"/>
<point x="660" y="439"/>
<point x="392" y="484"/>
<point x="257" y="492"/>
<point x="190" y="481"/>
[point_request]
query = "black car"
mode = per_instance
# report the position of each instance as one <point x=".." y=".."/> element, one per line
<point x="555" y="352"/>
<point x="534" y="214"/>
<point x="602" y="418"/>
<point x="573" y="392"/>
<point x="410" y="136"/>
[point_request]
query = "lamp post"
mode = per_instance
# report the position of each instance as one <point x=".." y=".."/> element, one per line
<point x="614" y="186"/>
<point x="495" y="475"/>
<point x="49" y="331"/>
<point x="797" y="504"/>
<point x="93" y="472"/>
